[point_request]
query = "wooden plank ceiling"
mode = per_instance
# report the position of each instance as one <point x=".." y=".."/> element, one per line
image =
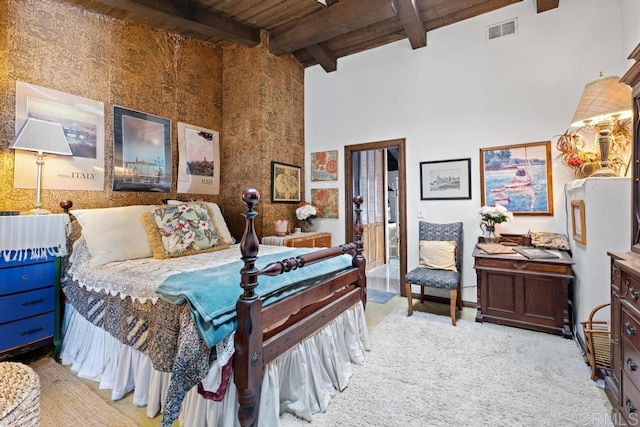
<point x="313" y="31"/>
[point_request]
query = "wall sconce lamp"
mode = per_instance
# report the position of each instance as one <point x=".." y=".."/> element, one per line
<point x="41" y="136"/>
<point x="603" y="102"/>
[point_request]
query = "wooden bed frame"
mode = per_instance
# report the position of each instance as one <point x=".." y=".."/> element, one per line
<point x="264" y="333"/>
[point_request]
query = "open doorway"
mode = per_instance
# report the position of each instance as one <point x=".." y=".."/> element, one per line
<point x="376" y="171"/>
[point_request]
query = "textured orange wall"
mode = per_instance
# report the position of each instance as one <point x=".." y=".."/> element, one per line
<point x="255" y="100"/>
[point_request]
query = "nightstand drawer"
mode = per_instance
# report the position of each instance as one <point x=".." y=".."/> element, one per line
<point x="25" y="331"/>
<point x="26" y="277"/>
<point x="26" y="304"/>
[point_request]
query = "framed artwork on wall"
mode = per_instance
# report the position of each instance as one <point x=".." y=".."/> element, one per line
<point x="324" y="166"/>
<point x="82" y="121"/>
<point x="198" y="160"/>
<point x="141" y="151"/>
<point x="445" y="179"/>
<point x="518" y="177"/>
<point x="578" y="222"/>
<point x="286" y="183"/>
<point x="327" y="200"/>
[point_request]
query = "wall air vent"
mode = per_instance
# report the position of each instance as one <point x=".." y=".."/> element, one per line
<point x="502" y="29"/>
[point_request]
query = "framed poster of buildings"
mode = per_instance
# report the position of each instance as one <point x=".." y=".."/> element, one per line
<point x="141" y="151"/>
<point x="198" y="160"/>
<point x="82" y="121"/>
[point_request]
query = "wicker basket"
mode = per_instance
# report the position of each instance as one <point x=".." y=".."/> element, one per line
<point x="19" y="395"/>
<point x="597" y="337"/>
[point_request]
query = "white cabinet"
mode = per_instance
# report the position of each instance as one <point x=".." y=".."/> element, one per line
<point x="607" y="216"/>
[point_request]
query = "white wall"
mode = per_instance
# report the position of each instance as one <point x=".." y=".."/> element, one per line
<point x="461" y="93"/>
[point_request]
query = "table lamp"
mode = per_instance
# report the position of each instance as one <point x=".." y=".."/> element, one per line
<point x="603" y="102"/>
<point x="41" y="136"/>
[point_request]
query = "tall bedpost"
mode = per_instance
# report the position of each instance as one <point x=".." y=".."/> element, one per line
<point x="247" y="360"/>
<point x="358" y="260"/>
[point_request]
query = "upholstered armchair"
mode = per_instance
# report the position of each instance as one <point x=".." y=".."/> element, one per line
<point x="440" y="263"/>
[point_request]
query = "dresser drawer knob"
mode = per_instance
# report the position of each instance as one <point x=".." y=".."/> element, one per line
<point x="630" y="363"/>
<point x="631" y="330"/>
<point x="32" y="331"/>
<point x="38" y="301"/>
<point x="627" y="404"/>
<point x="25" y="276"/>
<point x="634" y="293"/>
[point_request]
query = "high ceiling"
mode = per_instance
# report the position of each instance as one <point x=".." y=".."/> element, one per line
<point x="315" y="32"/>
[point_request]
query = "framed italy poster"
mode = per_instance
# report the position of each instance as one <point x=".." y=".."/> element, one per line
<point x="198" y="160"/>
<point x="141" y="151"/>
<point x="82" y="121"/>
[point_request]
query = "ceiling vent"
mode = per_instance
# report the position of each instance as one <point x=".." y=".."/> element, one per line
<point x="502" y="29"/>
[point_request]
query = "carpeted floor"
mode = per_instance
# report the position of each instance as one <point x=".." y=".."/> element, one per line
<point x="424" y="372"/>
<point x="65" y="401"/>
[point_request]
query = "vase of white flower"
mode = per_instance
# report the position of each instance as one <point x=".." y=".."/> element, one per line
<point x="490" y="216"/>
<point x="305" y="213"/>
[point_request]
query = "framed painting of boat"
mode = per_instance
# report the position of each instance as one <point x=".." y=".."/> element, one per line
<point x="517" y="177"/>
<point x="445" y="179"/>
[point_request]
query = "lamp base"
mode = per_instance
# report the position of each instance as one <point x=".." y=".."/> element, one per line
<point x="39" y="211"/>
<point x="604" y="172"/>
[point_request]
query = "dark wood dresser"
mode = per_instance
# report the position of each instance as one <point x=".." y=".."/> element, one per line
<point x="526" y="293"/>
<point x="623" y="385"/>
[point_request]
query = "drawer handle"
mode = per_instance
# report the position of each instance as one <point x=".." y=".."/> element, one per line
<point x="634" y="293"/>
<point x="630" y="408"/>
<point x="631" y="330"/>
<point x="38" y="301"/>
<point x="615" y="341"/>
<point x="630" y="363"/>
<point x="25" y="276"/>
<point x="32" y="331"/>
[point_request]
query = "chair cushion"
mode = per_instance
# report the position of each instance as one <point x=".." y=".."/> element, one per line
<point x="445" y="279"/>
<point x="438" y="255"/>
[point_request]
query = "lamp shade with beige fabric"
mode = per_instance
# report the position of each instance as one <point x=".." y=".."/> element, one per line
<point x="603" y="102"/>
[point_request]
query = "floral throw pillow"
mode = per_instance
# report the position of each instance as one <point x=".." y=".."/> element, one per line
<point x="178" y="230"/>
<point x="542" y="239"/>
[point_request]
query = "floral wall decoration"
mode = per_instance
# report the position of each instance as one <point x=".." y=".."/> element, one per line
<point x="579" y="149"/>
<point x="327" y="200"/>
<point x="324" y="166"/>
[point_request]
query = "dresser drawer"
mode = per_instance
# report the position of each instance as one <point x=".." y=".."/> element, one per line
<point x="25" y="331"/>
<point x="524" y="266"/>
<point x="26" y="277"/>
<point x="630" y="328"/>
<point x="27" y="304"/>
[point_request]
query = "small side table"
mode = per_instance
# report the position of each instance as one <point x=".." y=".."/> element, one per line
<point x="312" y="239"/>
<point x="30" y="251"/>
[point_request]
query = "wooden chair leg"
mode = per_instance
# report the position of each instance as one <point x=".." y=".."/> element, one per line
<point x="459" y="299"/>
<point x="422" y="294"/>
<point x="453" y="298"/>
<point x="407" y="291"/>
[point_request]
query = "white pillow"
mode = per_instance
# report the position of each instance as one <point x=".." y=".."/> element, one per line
<point x="114" y="234"/>
<point x="220" y="223"/>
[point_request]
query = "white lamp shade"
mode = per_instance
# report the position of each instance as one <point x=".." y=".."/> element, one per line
<point x="41" y="136"/>
<point x="601" y="100"/>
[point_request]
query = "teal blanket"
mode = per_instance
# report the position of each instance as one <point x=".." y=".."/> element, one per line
<point x="211" y="294"/>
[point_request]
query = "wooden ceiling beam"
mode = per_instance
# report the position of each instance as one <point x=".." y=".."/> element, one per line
<point x="341" y="18"/>
<point x="413" y="27"/>
<point x="544" y="5"/>
<point x="323" y="56"/>
<point x="195" y="19"/>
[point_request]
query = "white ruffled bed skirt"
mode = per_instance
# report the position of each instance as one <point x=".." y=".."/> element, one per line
<point x="301" y="381"/>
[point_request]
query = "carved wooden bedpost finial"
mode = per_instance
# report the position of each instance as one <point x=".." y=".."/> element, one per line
<point x="248" y="337"/>
<point x="359" y="261"/>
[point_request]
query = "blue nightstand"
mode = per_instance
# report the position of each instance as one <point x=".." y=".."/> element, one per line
<point x="30" y="250"/>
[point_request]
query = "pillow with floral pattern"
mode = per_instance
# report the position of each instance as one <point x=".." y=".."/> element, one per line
<point x="183" y="229"/>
